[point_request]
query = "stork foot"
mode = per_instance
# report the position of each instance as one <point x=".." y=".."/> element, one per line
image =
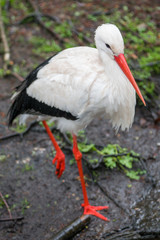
<point x="60" y="159"/>
<point x="92" y="210"/>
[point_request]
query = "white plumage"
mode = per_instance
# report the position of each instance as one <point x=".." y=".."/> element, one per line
<point x="88" y="82"/>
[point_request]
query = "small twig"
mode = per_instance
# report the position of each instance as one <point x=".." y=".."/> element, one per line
<point x="16" y="75"/>
<point x="6" y="49"/>
<point x="53" y="18"/>
<point x="97" y="165"/>
<point x="7" y="5"/>
<point x="11" y="136"/>
<point x="32" y="16"/>
<point x="100" y="13"/>
<point x="6" y="204"/>
<point x="5" y="42"/>
<point x="76" y="32"/>
<point x="11" y="219"/>
<point x="149" y="177"/>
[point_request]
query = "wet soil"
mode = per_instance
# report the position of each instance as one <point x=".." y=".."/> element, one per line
<point x="48" y="204"/>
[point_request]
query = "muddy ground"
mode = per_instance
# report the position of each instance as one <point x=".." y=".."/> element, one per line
<point x="47" y="203"/>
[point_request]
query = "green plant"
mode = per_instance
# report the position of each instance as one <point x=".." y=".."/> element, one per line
<point x="3" y="157"/>
<point x="135" y="174"/>
<point x="85" y="148"/>
<point x="18" y="128"/>
<point x="72" y="161"/>
<point x="43" y="46"/>
<point x="25" y="205"/>
<point x="64" y="30"/>
<point x="2" y="72"/>
<point x="2" y="204"/>
<point x="113" y="156"/>
<point x="27" y="167"/>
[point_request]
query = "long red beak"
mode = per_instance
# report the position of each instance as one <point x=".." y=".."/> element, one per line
<point x="120" y="59"/>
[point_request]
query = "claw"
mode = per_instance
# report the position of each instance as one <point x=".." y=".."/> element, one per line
<point x="92" y="210"/>
<point x="60" y="159"/>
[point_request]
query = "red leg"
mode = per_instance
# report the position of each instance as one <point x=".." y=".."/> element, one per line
<point x="88" y="209"/>
<point x="60" y="157"/>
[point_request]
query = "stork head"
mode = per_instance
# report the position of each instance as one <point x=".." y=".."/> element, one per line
<point x="109" y="40"/>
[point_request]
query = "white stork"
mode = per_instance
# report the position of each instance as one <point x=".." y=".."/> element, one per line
<point x="74" y="87"/>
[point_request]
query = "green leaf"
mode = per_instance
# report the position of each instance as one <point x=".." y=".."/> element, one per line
<point x="110" y="162"/>
<point x="64" y="29"/>
<point x="3" y="158"/>
<point x="18" y="128"/>
<point x="110" y="149"/>
<point x="27" y="167"/>
<point x="93" y="161"/>
<point x="126" y="161"/>
<point x="133" y="175"/>
<point x="72" y="161"/>
<point x="134" y="153"/>
<point x="85" y="148"/>
<point x="2" y="72"/>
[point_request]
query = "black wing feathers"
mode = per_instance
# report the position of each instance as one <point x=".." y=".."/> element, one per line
<point x="32" y="76"/>
<point x="26" y="104"/>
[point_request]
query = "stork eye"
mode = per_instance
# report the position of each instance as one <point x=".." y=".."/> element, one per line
<point x="107" y="45"/>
